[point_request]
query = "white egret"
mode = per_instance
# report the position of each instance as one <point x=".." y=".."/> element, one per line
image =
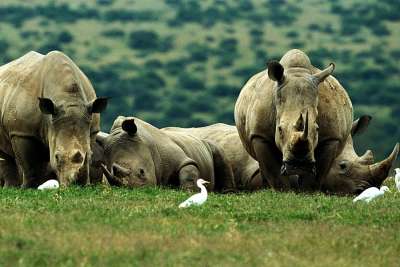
<point x="371" y="193"/>
<point x="197" y="199"/>
<point x="397" y="178"/>
<point x="50" y="184"/>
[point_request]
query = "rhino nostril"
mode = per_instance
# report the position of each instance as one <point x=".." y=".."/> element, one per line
<point x="77" y="157"/>
<point x="57" y="156"/>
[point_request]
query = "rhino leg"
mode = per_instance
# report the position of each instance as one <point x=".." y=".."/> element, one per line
<point x="9" y="173"/>
<point x="188" y="175"/>
<point x="324" y="156"/>
<point x="31" y="160"/>
<point x="254" y="181"/>
<point x="267" y="156"/>
<point x="224" y="179"/>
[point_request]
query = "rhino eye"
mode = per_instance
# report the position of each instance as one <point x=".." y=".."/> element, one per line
<point x="342" y="165"/>
<point x="141" y="172"/>
<point x="280" y="129"/>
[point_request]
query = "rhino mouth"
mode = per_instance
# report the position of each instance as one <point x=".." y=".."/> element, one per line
<point x="298" y="167"/>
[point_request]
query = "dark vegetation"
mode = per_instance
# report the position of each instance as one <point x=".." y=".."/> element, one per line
<point x="183" y="62"/>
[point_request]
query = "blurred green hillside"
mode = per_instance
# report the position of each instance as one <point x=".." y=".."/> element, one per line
<point x="183" y="63"/>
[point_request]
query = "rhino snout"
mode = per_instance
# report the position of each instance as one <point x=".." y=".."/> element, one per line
<point x="298" y="167"/>
<point x="77" y="157"/>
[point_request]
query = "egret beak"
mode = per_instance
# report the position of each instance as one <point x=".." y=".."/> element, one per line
<point x="206" y="182"/>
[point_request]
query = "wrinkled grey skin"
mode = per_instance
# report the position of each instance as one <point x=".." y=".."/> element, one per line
<point x="137" y="154"/>
<point x="294" y="120"/>
<point x="209" y="157"/>
<point x="352" y="174"/>
<point x="245" y="169"/>
<point x="49" y="116"/>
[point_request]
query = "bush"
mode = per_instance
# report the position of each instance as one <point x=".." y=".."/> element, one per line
<point x="4" y="45"/>
<point x="144" y="40"/>
<point x="65" y="37"/>
<point x="198" y="52"/>
<point x="190" y="82"/>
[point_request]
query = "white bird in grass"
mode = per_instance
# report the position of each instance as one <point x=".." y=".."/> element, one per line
<point x="397" y="178"/>
<point x="371" y="193"/>
<point x="197" y="199"/>
<point x="50" y="184"/>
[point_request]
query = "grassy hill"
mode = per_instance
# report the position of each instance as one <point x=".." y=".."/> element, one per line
<point x="183" y="63"/>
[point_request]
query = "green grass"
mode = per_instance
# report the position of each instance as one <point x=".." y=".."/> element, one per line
<point x="99" y="226"/>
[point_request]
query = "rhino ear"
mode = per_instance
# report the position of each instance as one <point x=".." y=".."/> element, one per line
<point x="360" y="125"/>
<point x="46" y="106"/>
<point x="129" y="126"/>
<point x="275" y="71"/>
<point x="98" y="105"/>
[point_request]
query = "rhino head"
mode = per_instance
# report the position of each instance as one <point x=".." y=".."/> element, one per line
<point x="352" y="174"/>
<point x="69" y="136"/>
<point x="296" y="130"/>
<point x="129" y="160"/>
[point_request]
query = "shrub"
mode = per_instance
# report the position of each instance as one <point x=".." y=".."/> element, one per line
<point x="144" y="40"/>
<point x="190" y="82"/>
<point x="65" y="37"/>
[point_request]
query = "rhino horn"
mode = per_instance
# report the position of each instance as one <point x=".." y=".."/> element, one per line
<point x="380" y="170"/>
<point x="320" y="76"/>
<point x="367" y="158"/>
<point x="305" y="132"/>
<point x="122" y="171"/>
<point x="110" y="177"/>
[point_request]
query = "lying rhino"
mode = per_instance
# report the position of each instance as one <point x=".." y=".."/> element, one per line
<point x="351" y="174"/>
<point x="49" y="116"/>
<point x="245" y="168"/>
<point x="294" y="120"/>
<point x="209" y="157"/>
<point x="137" y="153"/>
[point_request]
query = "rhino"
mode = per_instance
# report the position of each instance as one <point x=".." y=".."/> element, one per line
<point x="352" y="174"/>
<point x="50" y="115"/>
<point x="96" y="175"/>
<point x="245" y="169"/>
<point x="138" y="154"/>
<point x="294" y="119"/>
<point x="349" y="174"/>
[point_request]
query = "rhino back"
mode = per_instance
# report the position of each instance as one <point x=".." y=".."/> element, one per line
<point x="18" y="92"/>
<point x="195" y="149"/>
<point x="34" y="75"/>
<point x="226" y="137"/>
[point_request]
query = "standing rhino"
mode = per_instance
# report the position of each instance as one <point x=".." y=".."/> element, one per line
<point x="96" y="175"/>
<point x="294" y="120"/>
<point x="352" y="174"/>
<point x="49" y="116"/>
<point x="137" y="153"/>
<point x="245" y="169"/>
